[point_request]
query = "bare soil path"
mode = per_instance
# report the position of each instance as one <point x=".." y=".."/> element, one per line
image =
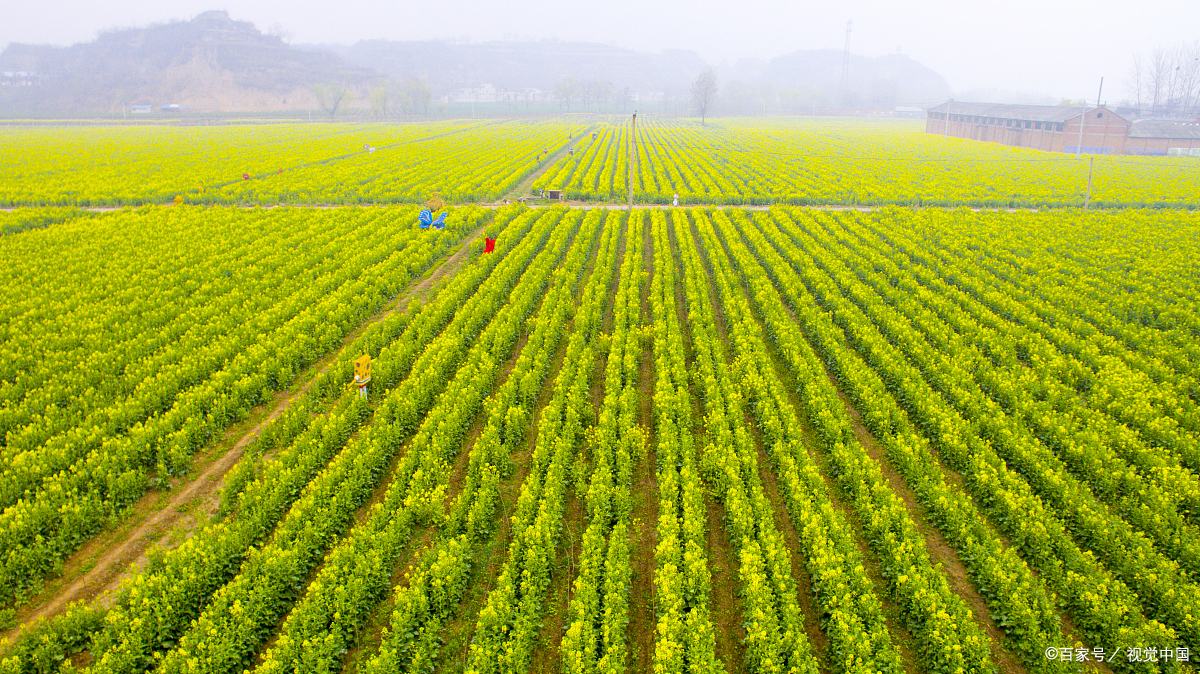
<point x="523" y="186"/>
<point x="100" y="564"/>
<point x="644" y="518"/>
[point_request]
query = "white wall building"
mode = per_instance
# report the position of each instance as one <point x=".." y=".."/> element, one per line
<point x="490" y="94"/>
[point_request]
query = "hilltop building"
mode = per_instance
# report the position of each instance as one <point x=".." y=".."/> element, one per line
<point x="1056" y="128"/>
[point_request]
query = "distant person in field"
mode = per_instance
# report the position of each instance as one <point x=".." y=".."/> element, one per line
<point x="675" y="201"/>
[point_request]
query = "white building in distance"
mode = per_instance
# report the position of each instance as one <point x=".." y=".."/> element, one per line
<point x="490" y="94"/>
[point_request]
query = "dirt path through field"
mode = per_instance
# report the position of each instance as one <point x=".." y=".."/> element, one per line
<point x="100" y="564"/>
<point x="523" y="186"/>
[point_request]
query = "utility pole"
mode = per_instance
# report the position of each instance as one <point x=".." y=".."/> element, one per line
<point x="946" y="128"/>
<point x="1083" y="120"/>
<point x="1087" y="197"/>
<point x="632" y="137"/>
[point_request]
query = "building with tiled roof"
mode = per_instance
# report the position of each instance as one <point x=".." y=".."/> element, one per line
<point x="1056" y="128"/>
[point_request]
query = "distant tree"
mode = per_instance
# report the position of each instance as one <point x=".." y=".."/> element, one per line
<point x="381" y="96"/>
<point x="1160" y="77"/>
<point x="1137" y="79"/>
<point x="568" y="90"/>
<point x="704" y="92"/>
<point x="767" y="99"/>
<point x="737" y="98"/>
<point x="802" y="101"/>
<point x="329" y="97"/>
<point x="1169" y="80"/>
<point x="626" y="97"/>
<point x="418" y="94"/>
<point x="791" y="101"/>
<point x="277" y="30"/>
<point x="587" y="93"/>
<point x="884" y="93"/>
<point x="603" y="92"/>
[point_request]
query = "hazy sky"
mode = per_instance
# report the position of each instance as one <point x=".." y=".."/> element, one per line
<point x="1036" y="46"/>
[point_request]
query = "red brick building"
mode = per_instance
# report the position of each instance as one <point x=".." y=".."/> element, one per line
<point x="1053" y="128"/>
<point x="1161" y="137"/>
<point x="1056" y="128"/>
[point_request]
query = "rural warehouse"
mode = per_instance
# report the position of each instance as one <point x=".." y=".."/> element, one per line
<point x="1056" y="128"/>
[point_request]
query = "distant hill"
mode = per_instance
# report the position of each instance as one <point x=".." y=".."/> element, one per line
<point x="518" y="65"/>
<point x="209" y="63"/>
<point x="813" y="77"/>
<point x="213" y="63"/>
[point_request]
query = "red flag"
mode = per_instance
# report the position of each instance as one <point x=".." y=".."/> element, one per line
<point x="489" y="245"/>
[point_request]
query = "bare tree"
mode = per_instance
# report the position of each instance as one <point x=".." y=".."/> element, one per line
<point x="1185" y="79"/>
<point x="704" y="92"/>
<point x="568" y="90"/>
<point x="381" y="96"/>
<point x="418" y="93"/>
<point x="1173" y="79"/>
<point x="1169" y="81"/>
<point x="329" y="97"/>
<point x="1137" y="79"/>
<point x="603" y="92"/>
<point x="1160" y="77"/>
<point x="587" y="91"/>
<point x="1191" y="67"/>
<point x="626" y="97"/>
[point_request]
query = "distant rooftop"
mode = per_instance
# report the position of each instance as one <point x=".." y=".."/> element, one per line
<point x="1158" y="128"/>
<point x="1032" y="113"/>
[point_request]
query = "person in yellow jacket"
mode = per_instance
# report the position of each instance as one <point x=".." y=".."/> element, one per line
<point x="362" y="375"/>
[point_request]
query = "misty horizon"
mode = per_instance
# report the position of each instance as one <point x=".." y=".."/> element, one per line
<point x="1030" y="49"/>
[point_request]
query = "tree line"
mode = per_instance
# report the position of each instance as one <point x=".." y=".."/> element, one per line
<point x="1168" y="80"/>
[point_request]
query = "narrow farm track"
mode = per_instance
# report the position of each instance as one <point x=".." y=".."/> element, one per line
<point x="638" y="205"/>
<point x="645" y="495"/>
<point x="523" y="187"/>
<point x="727" y="608"/>
<point x="106" y="559"/>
